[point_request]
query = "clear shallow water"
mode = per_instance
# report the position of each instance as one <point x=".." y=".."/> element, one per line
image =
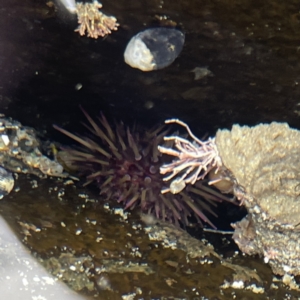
<point x="251" y="51"/>
<point x="101" y="252"/>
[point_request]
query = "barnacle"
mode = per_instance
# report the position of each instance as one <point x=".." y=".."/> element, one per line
<point x="21" y="151"/>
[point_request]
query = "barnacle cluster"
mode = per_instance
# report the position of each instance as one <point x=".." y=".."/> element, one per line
<point x="262" y="163"/>
<point x="93" y="22"/>
<point x="20" y="151"/>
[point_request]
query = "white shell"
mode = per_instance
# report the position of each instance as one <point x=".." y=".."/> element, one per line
<point x="138" y="56"/>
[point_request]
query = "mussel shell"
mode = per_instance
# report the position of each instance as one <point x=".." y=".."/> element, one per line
<point x="154" y="48"/>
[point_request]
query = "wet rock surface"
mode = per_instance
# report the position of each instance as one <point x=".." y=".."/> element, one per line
<point x="47" y="71"/>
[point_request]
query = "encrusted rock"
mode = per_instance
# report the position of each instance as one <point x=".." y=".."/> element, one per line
<point x="20" y="152"/>
<point x="265" y="163"/>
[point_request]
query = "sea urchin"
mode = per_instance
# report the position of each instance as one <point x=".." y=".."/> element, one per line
<point x="125" y="163"/>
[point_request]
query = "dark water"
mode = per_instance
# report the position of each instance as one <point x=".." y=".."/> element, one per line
<point x="251" y="48"/>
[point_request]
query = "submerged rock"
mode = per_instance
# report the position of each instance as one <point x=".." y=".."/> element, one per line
<point x="264" y="162"/>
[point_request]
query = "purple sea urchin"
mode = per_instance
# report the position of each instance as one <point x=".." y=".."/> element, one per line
<point x="125" y="165"/>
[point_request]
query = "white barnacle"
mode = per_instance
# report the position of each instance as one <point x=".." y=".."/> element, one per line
<point x="6" y="182"/>
<point x="5" y="139"/>
<point x="177" y="185"/>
